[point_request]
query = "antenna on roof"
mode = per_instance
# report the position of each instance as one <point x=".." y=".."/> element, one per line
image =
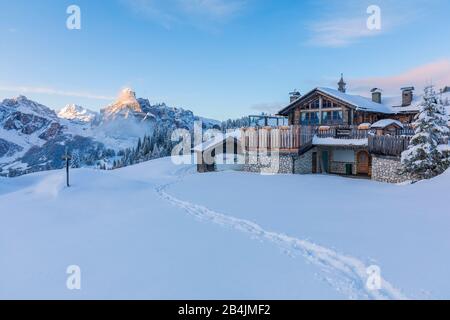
<point x="342" y="85"/>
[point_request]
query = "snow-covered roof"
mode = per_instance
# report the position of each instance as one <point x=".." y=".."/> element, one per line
<point x="396" y="103"/>
<point x="339" y="142"/>
<point x="358" y="102"/>
<point x="388" y="105"/>
<point x="386" y="123"/>
<point x="218" y="139"/>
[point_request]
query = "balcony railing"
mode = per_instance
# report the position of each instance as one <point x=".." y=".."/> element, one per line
<point x="281" y="138"/>
<point x="292" y="138"/>
<point x="342" y="132"/>
<point x="388" y="145"/>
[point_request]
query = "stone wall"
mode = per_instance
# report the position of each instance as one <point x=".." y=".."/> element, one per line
<point x="303" y="163"/>
<point x="269" y="163"/>
<point x="340" y="167"/>
<point x="387" y="169"/>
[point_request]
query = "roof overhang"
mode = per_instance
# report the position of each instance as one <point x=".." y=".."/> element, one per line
<point x="346" y="102"/>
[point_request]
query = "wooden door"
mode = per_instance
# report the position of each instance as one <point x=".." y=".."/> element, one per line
<point x="325" y="161"/>
<point x="314" y="162"/>
<point x="363" y="162"/>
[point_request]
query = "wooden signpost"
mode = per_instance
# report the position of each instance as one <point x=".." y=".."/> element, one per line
<point x="343" y="133"/>
<point x="66" y="157"/>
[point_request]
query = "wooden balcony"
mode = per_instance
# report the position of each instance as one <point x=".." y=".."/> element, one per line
<point x="283" y="139"/>
<point x="291" y="139"/>
<point x="341" y="132"/>
<point x="388" y="145"/>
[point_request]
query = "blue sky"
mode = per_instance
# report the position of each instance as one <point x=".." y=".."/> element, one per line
<point x="218" y="58"/>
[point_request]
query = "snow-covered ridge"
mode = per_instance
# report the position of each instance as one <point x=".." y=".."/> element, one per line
<point x="34" y="136"/>
<point x="75" y="112"/>
<point x="25" y="124"/>
<point x="23" y="105"/>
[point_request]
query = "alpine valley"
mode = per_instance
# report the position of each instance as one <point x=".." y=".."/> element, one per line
<point x="34" y="138"/>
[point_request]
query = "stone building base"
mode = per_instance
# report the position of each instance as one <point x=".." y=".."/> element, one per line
<point x="384" y="168"/>
<point x="388" y="169"/>
<point x="269" y="163"/>
<point x="286" y="163"/>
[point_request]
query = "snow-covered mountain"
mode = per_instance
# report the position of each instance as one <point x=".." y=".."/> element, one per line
<point x="77" y="113"/>
<point x="25" y="124"/>
<point x="34" y="138"/>
<point x="125" y="107"/>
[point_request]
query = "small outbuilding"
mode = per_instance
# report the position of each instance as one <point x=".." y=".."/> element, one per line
<point x="221" y="150"/>
<point x="386" y="127"/>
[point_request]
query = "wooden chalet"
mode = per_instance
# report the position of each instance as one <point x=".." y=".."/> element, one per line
<point x="326" y="106"/>
<point x="331" y="131"/>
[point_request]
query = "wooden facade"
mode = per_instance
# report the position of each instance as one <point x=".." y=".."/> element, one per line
<point x="320" y="108"/>
<point x="405" y="117"/>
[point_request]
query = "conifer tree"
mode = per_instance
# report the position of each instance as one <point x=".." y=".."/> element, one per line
<point x="425" y="157"/>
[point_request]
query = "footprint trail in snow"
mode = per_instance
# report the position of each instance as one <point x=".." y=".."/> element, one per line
<point x="346" y="274"/>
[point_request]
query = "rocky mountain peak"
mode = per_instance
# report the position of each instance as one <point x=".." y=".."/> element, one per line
<point x="24" y="105"/>
<point x="76" y="112"/>
<point x="125" y="103"/>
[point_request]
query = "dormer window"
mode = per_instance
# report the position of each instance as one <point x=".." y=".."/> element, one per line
<point x="327" y="104"/>
<point x="315" y="104"/>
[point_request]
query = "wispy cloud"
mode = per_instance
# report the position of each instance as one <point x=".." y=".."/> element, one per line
<point x="436" y="73"/>
<point x="52" y="91"/>
<point x="171" y="12"/>
<point x="340" y="32"/>
<point x="342" y="24"/>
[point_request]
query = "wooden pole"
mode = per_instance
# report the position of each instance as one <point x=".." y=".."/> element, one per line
<point x="67" y="158"/>
<point x="67" y="172"/>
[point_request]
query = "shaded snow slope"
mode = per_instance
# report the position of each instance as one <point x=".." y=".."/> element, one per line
<point x="157" y="230"/>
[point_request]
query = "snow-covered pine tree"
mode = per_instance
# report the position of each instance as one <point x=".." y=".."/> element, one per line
<point x="156" y="152"/>
<point x="76" y="159"/>
<point x="424" y="159"/>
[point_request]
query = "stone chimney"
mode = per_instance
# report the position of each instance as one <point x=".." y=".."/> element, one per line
<point x="407" y="96"/>
<point x="376" y="95"/>
<point x="342" y="85"/>
<point x="294" y="96"/>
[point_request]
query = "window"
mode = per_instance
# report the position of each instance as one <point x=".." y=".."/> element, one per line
<point x="327" y="117"/>
<point x="309" y="118"/>
<point x="327" y="104"/>
<point x="332" y="117"/>
<point x="304" y="118"/>
<point x="346" y="156"/>
<point x="315" y="104"/>
<point x="337" y="116"/>
<point x="314" y="118"/>
<point x="272" y="122"/>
